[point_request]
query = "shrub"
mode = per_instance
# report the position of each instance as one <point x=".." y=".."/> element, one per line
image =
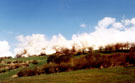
<point x="18" y="56"/>
<point x="3" y="70"/>
<point x="131" y="58"/>
<point x="59" y="59"/>
<point x="15" y="61"/>
<point x="9" y="62"/>
<point x="91" y="60"/>
<point x="105" y="61"/>
<point x="35" y="62"/>
<point x="49" y="68"/>
<point x="64" y="67"/>
<point x="1" y="60"/>
<point x="53" y="68"/>
<point x="64" y="63"/>
<point x="51" y="58"/>
<point x="27" y="72"/>
<point x="80" y="63"/>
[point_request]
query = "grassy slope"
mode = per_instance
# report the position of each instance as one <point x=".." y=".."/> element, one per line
<point x="109" y="75"/>
<point x="113" y="75"/>
<point x="8" y="74"/>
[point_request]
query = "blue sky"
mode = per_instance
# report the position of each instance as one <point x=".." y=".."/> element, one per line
<point x="51" y="17"/>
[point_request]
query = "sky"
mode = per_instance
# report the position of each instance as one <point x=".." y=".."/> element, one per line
<point x="53" y="17"/>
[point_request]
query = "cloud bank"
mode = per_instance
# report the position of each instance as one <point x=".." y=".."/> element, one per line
<point x="107" y="31"/>
<point x="5" y="49"/>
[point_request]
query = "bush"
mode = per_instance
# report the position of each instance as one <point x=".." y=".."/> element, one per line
<point x="53" y="68"/>
<point x="91" y="60"/>
<point x="59" y="59"/>
<point x="1" y="60"/>
<point x="131" y="59"/>
<point x="80" y="63"/>
<point x="9" y="62"/>
<point x="64" y="67"/>
<point x="51" y="58"/>
<point x="27" y="72"/>
<point x="49" y="68"/>
<point x="64" y="63"/>
<point x="105" y="62"/>
<point x="3" y="70"/>
<point x="35" y="62"/>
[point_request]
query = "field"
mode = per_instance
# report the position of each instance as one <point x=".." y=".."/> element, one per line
<point x="105" y="75"/>
<point x="41" y="60"/>
<point x="109" y="75"/>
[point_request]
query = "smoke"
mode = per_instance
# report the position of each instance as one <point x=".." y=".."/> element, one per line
<point x="107" y="31"/>
<point x="5" y="49"/>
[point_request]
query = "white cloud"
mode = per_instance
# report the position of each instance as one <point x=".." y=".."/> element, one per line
<point x="128" y="21"/>
<point x="5" y="49"/>
<point x="106" y="22"/>
<point x="107" y="31"/>
<point x="34" y="45"/>
<point x="83" y="26"/>
<point x="133" y="21"/>
<point x="118" y="25"/>
<point x="37" y="44"/>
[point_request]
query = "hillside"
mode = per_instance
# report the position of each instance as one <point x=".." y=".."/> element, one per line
<point x="9" y="73"/>
<point x="113" y="75"/>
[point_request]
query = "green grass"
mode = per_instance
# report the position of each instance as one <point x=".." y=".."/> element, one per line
<point x="27" y="58"/>
<point x="8" y="74"/>
<point x="41" y="60"/>
<point x="109" y="75"/>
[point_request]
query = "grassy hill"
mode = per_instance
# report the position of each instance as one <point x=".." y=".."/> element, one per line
<point x="109" y="75"/>
<point x="8" y="74"/>
<point x="106" y="75"/>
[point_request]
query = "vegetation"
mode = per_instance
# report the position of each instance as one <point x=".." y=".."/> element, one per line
<point x="6" y="73"/>
<point x="113" y="75"/>
<point x="120" y="55"/>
